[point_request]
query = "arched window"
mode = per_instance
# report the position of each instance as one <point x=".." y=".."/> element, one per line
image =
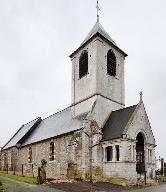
<point x="111" y="63"/>
<point x="52" y="151"/>
<point x="83" y="64"/>
<point x="30" y="155"/>
<point x="140" y="153"/>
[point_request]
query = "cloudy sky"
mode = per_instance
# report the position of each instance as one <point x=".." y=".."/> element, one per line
<point x="37" y="36"/>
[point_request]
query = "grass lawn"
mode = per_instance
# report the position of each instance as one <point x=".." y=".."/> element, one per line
<point x="30" y="180"/>
<point x="8" y="190"/>
<point x="1" y="188"/>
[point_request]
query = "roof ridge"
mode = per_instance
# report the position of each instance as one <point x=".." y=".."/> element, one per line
<point x="57" y="112"/>
<point x="125" y="108"/>
<point x="32" y="121"/>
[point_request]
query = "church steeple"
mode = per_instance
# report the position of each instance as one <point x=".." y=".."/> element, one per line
<point x="97" y="73"/>
<point x="98" y="30"/>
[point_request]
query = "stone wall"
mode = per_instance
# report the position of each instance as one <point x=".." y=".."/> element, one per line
<point x="126" y="166"/>
<point x="58" y="167"/>
<point x="9" y="159"/>
<point x="140" y="123"/>
<point x="73" y="157"/>
<point x="66" y="151"/>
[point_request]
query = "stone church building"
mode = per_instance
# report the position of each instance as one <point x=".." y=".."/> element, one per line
<point x="97" y="137"/>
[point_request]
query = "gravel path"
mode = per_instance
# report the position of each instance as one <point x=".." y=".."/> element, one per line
<point x="13" y="188"/>
<point x="25" y="187"/>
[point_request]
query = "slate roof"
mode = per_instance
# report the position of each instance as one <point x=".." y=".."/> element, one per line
<point x="55" y="125"/>
<point x="21" y="133"/>
<point x="62" y="122"/>
<point x="98" y="30"/>
<point x="117" y="122"/>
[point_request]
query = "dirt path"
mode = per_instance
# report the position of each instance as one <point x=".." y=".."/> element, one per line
<point x="89" y="187"/>
<point x="19" y="186"/>
<point x="159" y="188"/>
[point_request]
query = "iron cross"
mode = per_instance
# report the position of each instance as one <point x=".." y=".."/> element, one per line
<point x="98" y="9"/>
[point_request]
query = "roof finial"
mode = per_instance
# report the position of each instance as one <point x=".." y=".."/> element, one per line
<point x="98" y="9"/>
<point x="141" y="94"/>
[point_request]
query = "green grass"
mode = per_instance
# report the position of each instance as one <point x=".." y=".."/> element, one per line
<point x="1" y="187"/>
<point x="8" y="190"/>
<point x="30" y="180"/>
<point x="9" y="182"/>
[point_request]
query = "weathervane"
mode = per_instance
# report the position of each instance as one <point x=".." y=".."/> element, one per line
<point x="98" y="9"/>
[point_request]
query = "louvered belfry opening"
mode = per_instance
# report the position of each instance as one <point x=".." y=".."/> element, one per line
<point x="83" y="64"/>
<point x="111" y="63"/>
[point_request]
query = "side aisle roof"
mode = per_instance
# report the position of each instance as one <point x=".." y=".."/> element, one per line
<point x="21" y="133"/>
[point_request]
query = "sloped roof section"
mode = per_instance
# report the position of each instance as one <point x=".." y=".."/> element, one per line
<point x="55" y="125"/>
<point x="21" y="133"/>
<point x="98" y="30"/>
<point x="117" y="122"/>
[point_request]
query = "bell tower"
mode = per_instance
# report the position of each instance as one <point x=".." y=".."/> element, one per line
<point x="97" y="73"/>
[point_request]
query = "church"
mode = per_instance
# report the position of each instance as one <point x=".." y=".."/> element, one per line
<point x="97" y="137"/>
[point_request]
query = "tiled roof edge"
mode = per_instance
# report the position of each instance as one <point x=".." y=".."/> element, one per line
<point x="125" y="108"/>
<point x="29" y="132"/>
<point x="57" y="112"/>
<point x="17" y="132"/>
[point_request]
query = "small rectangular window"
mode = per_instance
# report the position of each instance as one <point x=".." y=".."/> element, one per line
<point x="30" y="155"/>
<point x="109" y="152"/>
<point x="52" y="151"/>
<point x="117" y="152"/>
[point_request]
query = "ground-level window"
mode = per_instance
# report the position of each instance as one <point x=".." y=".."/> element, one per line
<point x="30" y="155"/>
<point x="117" y="152"/>
<point x="109" y="153"/>
<point x="52" y="151"/>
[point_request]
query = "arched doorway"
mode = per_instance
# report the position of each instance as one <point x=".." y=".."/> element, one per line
<point x="140" y="153"/>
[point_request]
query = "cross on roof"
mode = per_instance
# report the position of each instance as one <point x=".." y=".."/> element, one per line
<point x="141" y="95"/>
<point x="98" y="9"/>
